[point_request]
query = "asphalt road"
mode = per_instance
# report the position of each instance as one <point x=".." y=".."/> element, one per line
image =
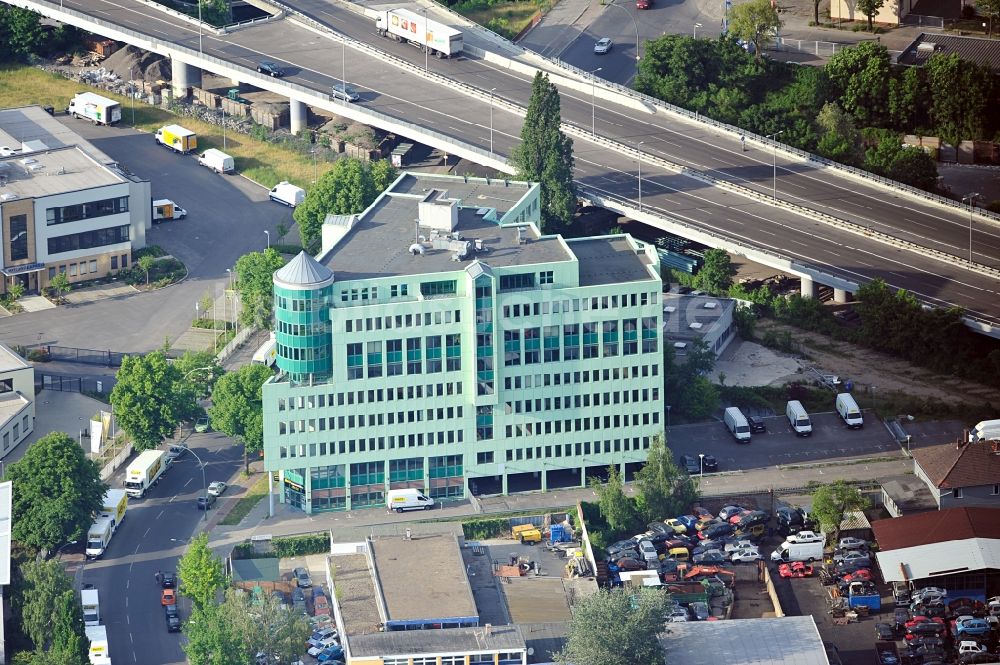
<point x="152" y="538"/>
<point x="227" y="216"/>
<point x="317" y="62"/>
<point x="830" y="441"/>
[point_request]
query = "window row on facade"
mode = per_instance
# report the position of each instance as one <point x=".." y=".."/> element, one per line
<point x="352" y="421"/>
<point x="88" y="210"/>
<point x="371" y="444"/>
<point x="579" y="401"/>
<point x="89" y="239"/>
<point x="371" y="323"/>
<point x="592" y="303"/>
<point x="424" y="355"/>
<point x="370" y="396"/>
<point x="606" y="339"/>
<point x="616" y="421"/>
<point x="581" y="376"/>
<point x="579" y="449"/>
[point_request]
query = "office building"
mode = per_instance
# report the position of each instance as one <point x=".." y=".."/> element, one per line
<point x="441" y="342"/>
<point x="64" y="205"/>
<point x="17" y="400"/>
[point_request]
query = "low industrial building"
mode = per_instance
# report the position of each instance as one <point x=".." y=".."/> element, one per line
<point x="406" y="600"/>
<point x="906" y="495"/>
<point x="689" y="318"/>
<point x="959" y="473"/>
<point x="65" y="207"/>
<point x="975" y="49"/>
<point x="792" y="640"/>
<point x="17" y="400"/>
<point x="956" y="548"/>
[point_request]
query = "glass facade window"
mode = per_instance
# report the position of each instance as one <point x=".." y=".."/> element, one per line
<point x="374" y="359"/>
<point x="355" y="361"/>
<point x="484" y="423"/>
<point x="394" y="357"/>
<point x="610" y="338"/>
<point x="413" y="356"/>
<point x="590" y="340"/>
<point x="630" y="337"/>
<point x="519" y="281"/>
<point x="433" y="350"/>
<point x="571" y="341"/>
<point x="512" y="347"/>
<point x="404" y="470"/>
<point x="448" y="466"/>
<point x="89" y="239"/>
<point x="446" y="288"/>
<point x="367" y="473"/>
<point x="532" y="346"/>
<point x="89" y="210"/>
<point x="453" y="352"/>
<point x="649" y="334"/>
<point x="545" y="277"/>
<point x="551" y="344"/>
<point x="18" y="246"/>
<point x="484" y="337"/>
<point x="325" y="477"/>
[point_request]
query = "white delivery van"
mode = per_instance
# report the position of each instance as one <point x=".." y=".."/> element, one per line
<point x="737" y="424"/>
<point x="217" y="160"/>
<point x="849" y="411"/>
<point x="287" y="194"/>
<point x="798" y="418"/>
<point x="407" y="499"/>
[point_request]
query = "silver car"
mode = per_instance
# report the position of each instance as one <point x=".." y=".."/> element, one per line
<point x="344" y="92"/>
<point x="603" y="45"/>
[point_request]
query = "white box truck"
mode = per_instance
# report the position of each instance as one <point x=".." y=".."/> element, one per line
<point x="217" y="160"/>
<point x="267" y="353"/>
<point x="406" y="26"/>
<point x="115" y="505"/>
<point x="99" y="653"/>
<point x="99" y="535"/>
<point x="737" y="424"/>
<point x="144" y="472"/>
<point x="798" y="419"/>
<point x="99" y="110"/>
<point x="90" y="600"/>
<point x="985" y="430"/>
<point x="789" y="551"/>
<point x="849" y="411"/>
<point x="408" y="499"/>
<point x="287" y="194"/>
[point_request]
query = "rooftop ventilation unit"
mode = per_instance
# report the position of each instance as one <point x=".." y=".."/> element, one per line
<point x="711" y="305"/>
<point x="34" y="168"/>
<point x="694" y="325"/>
<point x="482" y="212"/>
<point x="416" y="249"/>
<point x="28" y="161"/>
<point x="9" y="196"/>
<point x="669" y="309"/>
<point x="926" y="47"/>
<point x="680" y="345"/>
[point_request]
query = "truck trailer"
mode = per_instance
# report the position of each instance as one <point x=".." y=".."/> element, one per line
<point x="90" y="600"/>
<point x="406" y="26"/>
<point x="99" y="110"/>
<point x="177" y="138"/>
<point x="986" y="430"/>
<point x="99" y="653"/>
<point x="144" y="472"/>
<point x="115" y="505"/>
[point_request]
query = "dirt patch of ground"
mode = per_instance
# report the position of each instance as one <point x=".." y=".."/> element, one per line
<point x="877" y="373"/>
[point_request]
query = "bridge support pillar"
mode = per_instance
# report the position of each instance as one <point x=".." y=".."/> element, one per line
<point x="841" y="296"/>
<point x="183" y="76"/>
<point x="808" y="289"/>
<point x="297" y="114"/>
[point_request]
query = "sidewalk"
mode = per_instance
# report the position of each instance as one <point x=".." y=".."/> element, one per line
<point x="346" y="525"/>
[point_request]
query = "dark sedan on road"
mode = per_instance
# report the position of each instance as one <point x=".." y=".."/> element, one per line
<point x="173" y="619"/>
<point x="169" y="580"/>
<point x="757" y="425"/>
<point x="272" y="69"/>
<point x="206" y="502"/>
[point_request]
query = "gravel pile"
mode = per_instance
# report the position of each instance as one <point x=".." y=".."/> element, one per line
<point x="130" y="61"/>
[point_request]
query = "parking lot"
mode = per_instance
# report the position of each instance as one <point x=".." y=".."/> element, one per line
<point x="830" y="441"/>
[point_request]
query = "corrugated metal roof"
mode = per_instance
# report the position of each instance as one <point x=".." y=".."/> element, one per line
<point x="981" y="51"/>
<point x="938" y="559"/>
<point x="792" y="640"/>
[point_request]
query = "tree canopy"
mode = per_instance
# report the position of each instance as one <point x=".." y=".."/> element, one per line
<point x="50" y="615"/>
<point x="201" y="369"/>
<point x="662" y="488"/>
<point x="831" y="502"/>
<point x="254" y="273"/>
<point x="151" y="398"/>
<point x="685" y="386"/>
<point x="755" y="22"/>
<point x="237" y="406"/>
<point x="616" y="627"/>
<point x="839" y="138"/>
<point x="870" y="8"/>
<point x="616" y="507"/>
<point x="716" y="272"/>
<point x="200" y="573"/>
<point x="960" y="97"/>
<point x="348" y="188"/>
<point x="55" y="493"/>
<point x="545" y="156"/>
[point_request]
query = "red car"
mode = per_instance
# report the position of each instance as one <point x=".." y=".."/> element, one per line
<point x="795" y="569"/>
<point x="643" y="4"/>
<point x="920" y="618"/>
<point x="860" y="575"/>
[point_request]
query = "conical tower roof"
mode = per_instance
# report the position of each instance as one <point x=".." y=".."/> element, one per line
<point x="303" y="273"/>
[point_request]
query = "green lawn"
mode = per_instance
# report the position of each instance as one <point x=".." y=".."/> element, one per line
<point x="246" y="503"/>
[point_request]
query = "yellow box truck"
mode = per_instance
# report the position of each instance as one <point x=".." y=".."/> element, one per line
<point x="177" y="139"/>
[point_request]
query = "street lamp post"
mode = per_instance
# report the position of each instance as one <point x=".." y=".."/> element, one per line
<point x="668" y="416"/>
<point x="268" y="234"/>
<point x="199" y="27"/>
<point x="492" y="91"/>
<point x="634" y="23"/>
<point x="64" y="546"/>
<point x="971" y="196"/>
<point x="701" y="464"/>
<point x="774" y="164"/>
<point x="638" y="148"/>
<point x="696" y="26"/>
<point x="593" y="102"/>
<point x="343" y="69"/>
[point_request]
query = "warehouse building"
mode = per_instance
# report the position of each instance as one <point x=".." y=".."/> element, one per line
<point x="442" y="342"/>
<point x="64" y="205"/>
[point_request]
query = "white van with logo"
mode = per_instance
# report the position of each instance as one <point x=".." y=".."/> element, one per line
<point x="737" y="424"/>
<point x="408" y="499"/>
<point x="849" y="411"/>
<point x="798" y="418"/>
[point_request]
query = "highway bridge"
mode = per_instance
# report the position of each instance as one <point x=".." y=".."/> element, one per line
<point x="635" y="155"/>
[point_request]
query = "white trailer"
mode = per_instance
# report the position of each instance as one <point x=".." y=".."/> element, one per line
<point x="406" y="26"/>
<point x="985" y="430"/>
<point x="115" y="505"/>
<point x="144" y="472"/>
<point x="99" y="535"/>
<point x="99" y="110"/>
<point x="99" y="653"/>
<point x="90" y="600"/>
<point x="267" y="353"/>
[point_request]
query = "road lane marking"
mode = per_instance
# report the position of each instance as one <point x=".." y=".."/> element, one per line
<point x="144" y="535"/>
<point x="188" y="482"/>
<point x="160" y="515"/>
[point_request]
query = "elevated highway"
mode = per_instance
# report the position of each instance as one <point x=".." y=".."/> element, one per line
<point x="697" y="179"/>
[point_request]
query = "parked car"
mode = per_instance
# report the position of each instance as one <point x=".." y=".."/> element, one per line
<point x="657" y="527"/>
<point x="733" y="545"/>
<point x="173" y="618"/>
<point x="690" y="464"/>
<point x="298" y="600"/>
<point x="711" y="557"/>
<point x="302" y="579"/>
<point x="206" y="502"/>
<point x="920" y="594"/>
<point x="852" y="556"/>
<point x="795" y="569"/>
<point x="323" y="645"/>
<point x="201" y="425"/>
<point x="924" y="629"/>
<point x="629" y="563"/>
<point x="751" y="519"/>
<point x="885" y="631"/>
<point x="677" y="615"/>
<point x="169" y="580"/>
<point x="709" y="463"/>
<point x="851" y="543"/>
<point x="716" y="531"/>
<point x="728" y="511"/>
<point x="700" y="611"/>
<point x="332" y="654"/>
<point x="622" y="546"/>
<point x="321" y="634"/>
<point x="969" y="625"/>
<point x="689" y="521"/>
<point x="757" y="425"/>
<point x="805" y="537"/>
<point x="217" y="488"/>
<point x="168" y="597"/>
<point x="603" y="45"/>
<point x="675" y="525"/>
<point x="272" y="69"/>
<point x="746" y="555"/>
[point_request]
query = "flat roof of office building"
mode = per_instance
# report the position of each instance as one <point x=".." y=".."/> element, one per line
<point x="422" y="578"/>
<point x="609" y="260"/>
<point x="691" y="317"/>
<point x="446" y="641"/>
<point x="10" y="360"/>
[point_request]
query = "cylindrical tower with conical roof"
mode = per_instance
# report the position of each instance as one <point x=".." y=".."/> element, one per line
<point x="302" y="292"/>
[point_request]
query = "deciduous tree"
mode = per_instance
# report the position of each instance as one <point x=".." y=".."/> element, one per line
<point x="211" y="640"/>
<point x="151" y="398"/>
<point x="254" y="273"/>
<point x="859" y="77"/>
<point x="236" y="407"/>
<point x="990" y="9"/>
<point x="839" y="139"/>
<point x="831" y="502"/>
<point x="616" y="627"/>
<point x="617" y="509"/>
<point x="908" y="96"/>
<point x="545" y="156"/>
<point x="869" y="8"/>
<point x="960" y="93"/>
<point x="22" y="31"/>
<point x="913" y="166"/>
<point x="56" y="491"/>
<point x="755" y="22"/>
<point x="60" y="284"/>
<point x="200" y="573"/>
<point x="716" y="273"/>
<point x="348" y="188"/>
<point x="199" y="370"/>
<point x="662" y="488"/>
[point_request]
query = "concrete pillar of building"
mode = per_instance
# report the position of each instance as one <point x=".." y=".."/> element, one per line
<point x="307" y="482"/>
<point x="622" y="470"/>
<point x="297" y="116"/>
<point x="583" y="475"/>
<point x="545" y="479"/>
<point x="270" y="493"/>
<point x="503" y="483"/>
<point x="183" y="76"/>
<point x="808" y="288"/>
<point x="841" y="296"/>
<point x="235" y="82"/>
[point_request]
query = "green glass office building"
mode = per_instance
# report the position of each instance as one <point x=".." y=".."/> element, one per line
<point x="441" y="342"/>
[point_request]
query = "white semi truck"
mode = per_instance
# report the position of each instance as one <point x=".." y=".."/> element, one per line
<point x="91" y="602"/>
<point x="99" y="110"/>
<point x="144" y="472"/>
<point x="406" y="26"/>
<point x="115" y="504"/>
<point x="99" y="653"/>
